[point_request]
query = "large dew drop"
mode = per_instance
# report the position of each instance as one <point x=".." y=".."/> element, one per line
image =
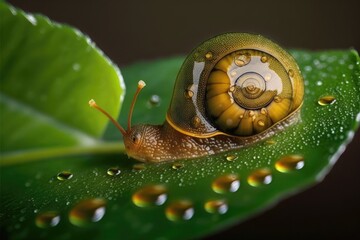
<point x="180" y="210"/>
<point x="216" y="206"/>
<point x="47" y="219"/>
<point x="153" y="195"/>
<point x="226" y="183"/>
<point x="260" y="177"/>
<point x="326" y="100"/>
<point x="289" y="163"/>
<point x="87" y="211"/>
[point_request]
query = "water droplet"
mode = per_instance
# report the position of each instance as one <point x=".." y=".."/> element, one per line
<point x="261" y="123"/>
<point x="87" y="211"/>
<point x="209" y="55"/>
<point x="64" y="175"/>
<point x="152" y="195"/>
<point x="31" y="19"/>
<point x="270" y="142"/>
<point x="277" y="99"/>
<point x="154" y="100"/>
<point x="113" y="171"/>
<point x="260" y="177"/>
<point x="196" y="122"/>
<point x="326" y="100"/>
<point x="216" y="206"/>
<point x="189" y="93"/>
<point x="291" y="73"/>
<point x="47" y="219"/>
<point x="76" y="67"/>
<point x="226" y="183"/>
<point x="263" y="111"/>
<point x="177" y="166"/>
<point x="307" y="68"/>
<point x="242" y="59"/>
<point x="289" y="163"/>
<point x="139" y="166"/>
<point x="231" y="158"/>
<point x="180" y="210"/>
<point x="264" y="59"/>
<point x="267" y="77"/>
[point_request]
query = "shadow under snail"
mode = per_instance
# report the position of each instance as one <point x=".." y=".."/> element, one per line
<point x="231" y="91"/>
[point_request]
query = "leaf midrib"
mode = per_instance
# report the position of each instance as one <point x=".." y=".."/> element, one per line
<point x="81" y="136"/>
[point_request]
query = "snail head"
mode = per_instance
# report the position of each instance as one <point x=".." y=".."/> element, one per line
<point x="134" y="136"/>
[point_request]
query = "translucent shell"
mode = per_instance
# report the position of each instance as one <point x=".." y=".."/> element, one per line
<point x="235" y="84"/>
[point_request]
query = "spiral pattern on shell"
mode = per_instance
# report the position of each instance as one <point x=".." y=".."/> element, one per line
<point x="235" y="84"/>
<point x="248" y="91"/>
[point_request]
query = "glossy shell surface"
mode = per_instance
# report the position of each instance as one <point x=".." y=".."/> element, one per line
<point x="235" y="84"/>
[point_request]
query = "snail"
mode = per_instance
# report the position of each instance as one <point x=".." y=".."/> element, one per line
<point x="231" y="91"/>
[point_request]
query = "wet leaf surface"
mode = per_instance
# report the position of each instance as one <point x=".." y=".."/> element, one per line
<point x="187" y="198"/>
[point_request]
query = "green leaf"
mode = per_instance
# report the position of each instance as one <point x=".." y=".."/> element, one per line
<point x="32" y="188"/>
<point x="48" y="73"/>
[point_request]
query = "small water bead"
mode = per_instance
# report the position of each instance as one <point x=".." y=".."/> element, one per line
<point x="260" y="177"/>
<point x="277" y="99"/>
<point x="113" y="171"/>
<point x="87" y="211"/>
<point x="319" y="83"/>
<point x="264" y="59"/>
<point x="233" y="74"/>
<point x="139" y="166"/>
<point x="64" y="175"/>
<point x="231" y="158"/>
<point x="261" y="123"/>
<point x="189" y="93"/>
<point x="263" y="111"/>
<point x="76" y="66"/>
<point x="31" y="19"/>
<point x="196" y="122"/>
<point x="291" y="73"/>
<point x="47" y="219"/>
<point x="289" y="163"/>
<point x="267" y="77"/>
<point x="326" y="100"/>
<point x="180" y="210"/>
<point x="270" y="142"/>
<point x="209" y="55"/>
<point x="152" y="195"/>
<point x="242" y="59"/>
<point x="216" y="206"/>
<point x="154" y="100"/>
<point x="226" y="183"/>
<point x="307" y="68"/>
<point x="177" y="166"/>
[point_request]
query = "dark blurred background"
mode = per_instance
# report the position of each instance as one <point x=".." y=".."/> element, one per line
<point x="129" y="31"/>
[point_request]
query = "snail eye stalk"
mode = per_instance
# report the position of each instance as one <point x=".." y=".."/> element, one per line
<point x="141" y="85"/>
<point x="92" y="103"/>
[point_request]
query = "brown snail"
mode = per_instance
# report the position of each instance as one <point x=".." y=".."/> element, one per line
<point x="232" y="90"/>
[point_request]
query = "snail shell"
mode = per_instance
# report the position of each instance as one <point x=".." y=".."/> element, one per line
<point x="235" y="84"/>
<point x="231" y="91"/>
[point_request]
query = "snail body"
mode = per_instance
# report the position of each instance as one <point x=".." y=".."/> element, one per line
<point x="231" y="91"/>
